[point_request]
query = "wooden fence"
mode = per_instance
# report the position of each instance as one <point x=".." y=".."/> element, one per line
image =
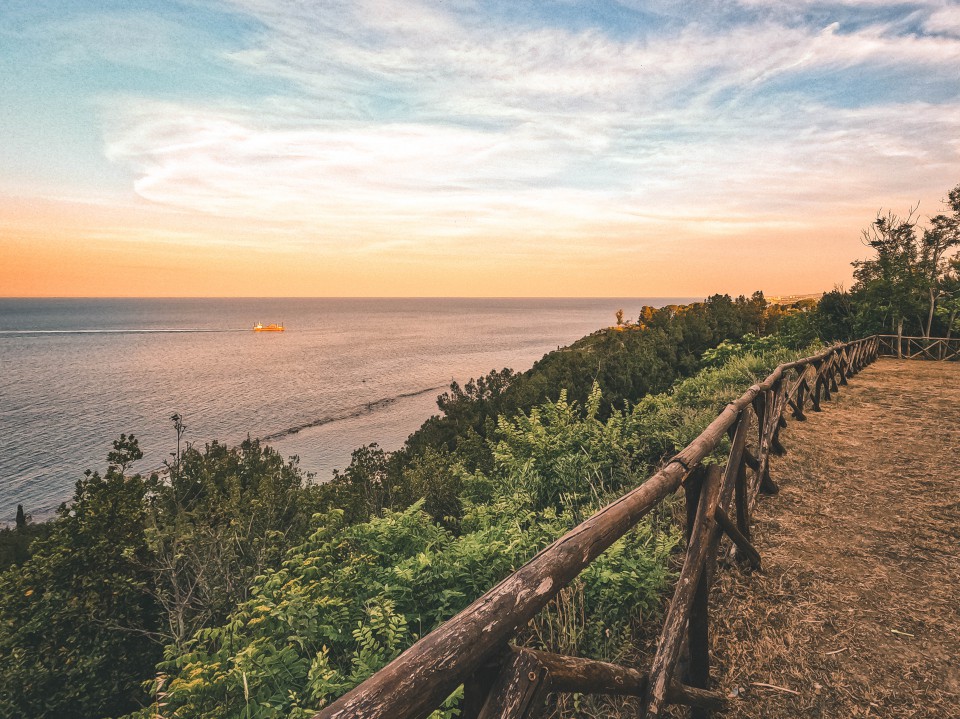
<point x="928" y="348"/>
<point x="500" y="680"/>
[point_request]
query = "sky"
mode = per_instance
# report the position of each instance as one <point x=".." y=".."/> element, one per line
<point x="460" y="148"/>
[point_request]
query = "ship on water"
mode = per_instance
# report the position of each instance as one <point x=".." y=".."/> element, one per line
<point x="260" y="327"/>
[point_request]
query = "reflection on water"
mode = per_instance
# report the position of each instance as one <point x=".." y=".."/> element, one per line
<point x="77" y="373"/>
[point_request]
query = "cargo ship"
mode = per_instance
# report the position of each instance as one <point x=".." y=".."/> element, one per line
<point x="260" y="327"/>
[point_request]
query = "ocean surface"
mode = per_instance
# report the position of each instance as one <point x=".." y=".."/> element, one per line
<point x="75" y="373"/>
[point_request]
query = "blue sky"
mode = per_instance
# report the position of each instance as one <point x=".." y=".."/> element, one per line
<point x="521" y="147"/>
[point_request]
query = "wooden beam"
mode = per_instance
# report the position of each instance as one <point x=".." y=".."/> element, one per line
<point x="519" y="691"/>
<point x="691" y="496"/>
<point x="742" y="499"/>
<point x="776" y="446"/>
<point x="798" y="404"/>
<point x="842" y="366"/>
<point x="760" y="409"/>
<point x="855" y="356"/>
<point x="477" y="687"/>
<point x="425" y="674"/>
<point x="576" y="675"/>
<point x="678" y="613"/>
<point x="429" y="671"/>
<point x="735" y="459"/>
<point x="831" y="375"/>
<point x="694" y="697"/>
<point x="795" y="409"/>
<point x="698" y="635"/>
<point x="735" y="485"/>
<point x="817" y="385"/>
<point x="730" y="529"/>
<point x="771" y="411"/>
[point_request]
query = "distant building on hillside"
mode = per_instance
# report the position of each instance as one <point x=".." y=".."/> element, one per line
<point x="793" y="299"/>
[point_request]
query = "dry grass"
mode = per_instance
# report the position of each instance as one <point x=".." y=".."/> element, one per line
<point x="857" y="610"/>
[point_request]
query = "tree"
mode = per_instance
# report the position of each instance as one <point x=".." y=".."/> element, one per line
<point x="180" y="429"/>
<point x="892" y="281"/>
<point x="15" y="542"/>
<point x="900" y="287"/>
<point x="938" y="239"/>
<point x="366" y="487"/>
<point x="134" y="564"/>
<point x="754" y="310"/>
<point x="78" y="628"/>
<point x="223" y="516"/>
<point x="126" y="451"/>
<point x="619" y="317"/>
<point x="949" y="309"/>
<point x="835" y="315"/>
<point x="436" y="478"/>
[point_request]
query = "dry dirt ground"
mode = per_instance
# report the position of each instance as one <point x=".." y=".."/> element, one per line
<point x="857" y="610"/>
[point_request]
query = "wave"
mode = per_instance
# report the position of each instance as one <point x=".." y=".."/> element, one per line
<point x="352" y="413"/>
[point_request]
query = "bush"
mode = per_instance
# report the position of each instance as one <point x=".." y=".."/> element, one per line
<point x="351" y="598"/>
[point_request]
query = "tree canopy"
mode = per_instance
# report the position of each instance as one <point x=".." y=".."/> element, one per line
<point x="909" y="285"/>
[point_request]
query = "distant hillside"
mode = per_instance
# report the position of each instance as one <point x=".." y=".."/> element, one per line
<point x="792" y="299"/>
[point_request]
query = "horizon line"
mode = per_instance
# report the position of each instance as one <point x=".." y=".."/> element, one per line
<point x="396" y="297"/>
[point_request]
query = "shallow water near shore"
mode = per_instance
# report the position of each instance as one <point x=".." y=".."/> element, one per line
<point x="78" y="372"/>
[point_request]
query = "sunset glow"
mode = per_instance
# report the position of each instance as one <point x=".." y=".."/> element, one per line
<point x="381" y="148"/>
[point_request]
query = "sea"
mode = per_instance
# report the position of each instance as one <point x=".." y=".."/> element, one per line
<point x="76" y="373"/>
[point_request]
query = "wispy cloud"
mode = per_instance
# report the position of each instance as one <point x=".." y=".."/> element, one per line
<point x="415" y="120"/>
<point x="424" y="129"/>
<point x="945" y="21"/>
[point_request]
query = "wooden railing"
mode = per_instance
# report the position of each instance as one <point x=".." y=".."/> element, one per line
<point x="928" y="348"/>
<point x="500" y="680"/>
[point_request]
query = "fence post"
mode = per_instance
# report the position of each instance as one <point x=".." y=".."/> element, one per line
<point x="470" y="648"/>
<point x="843" y="365"/>
<point x="857" y="359"/>
<point x="834" y="365"/>
<point x="825" y="378"/>
<point x="676" y="625"/>
<point x="801" y="398"/>
<point x="519" y="691"/>
<point x="698" y="635"/>
<point x="476" y="689"/>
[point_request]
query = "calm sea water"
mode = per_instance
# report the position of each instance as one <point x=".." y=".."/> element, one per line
<point x="74" y="374"/>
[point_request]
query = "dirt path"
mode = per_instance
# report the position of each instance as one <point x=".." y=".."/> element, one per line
<point x="857" y="611"/>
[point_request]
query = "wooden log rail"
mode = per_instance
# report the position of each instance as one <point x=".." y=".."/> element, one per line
<point x="927" y="348"/>
<point x="473" y="648"/>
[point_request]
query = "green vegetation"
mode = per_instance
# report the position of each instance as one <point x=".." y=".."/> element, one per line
<point x="910" y="286"/>
<point x="134" y="564"/>
<point x="664" y="346"/>
<point x="232" y="587"/>
<point x="15" y="542"/>
<point x="75" y="619"/>
<point x="177" y="570"/>
<point x="352" y="597"/>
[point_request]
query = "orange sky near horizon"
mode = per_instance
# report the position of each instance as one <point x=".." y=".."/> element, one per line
<point x="584" y="148"/>
<point x="76" y="249"/>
